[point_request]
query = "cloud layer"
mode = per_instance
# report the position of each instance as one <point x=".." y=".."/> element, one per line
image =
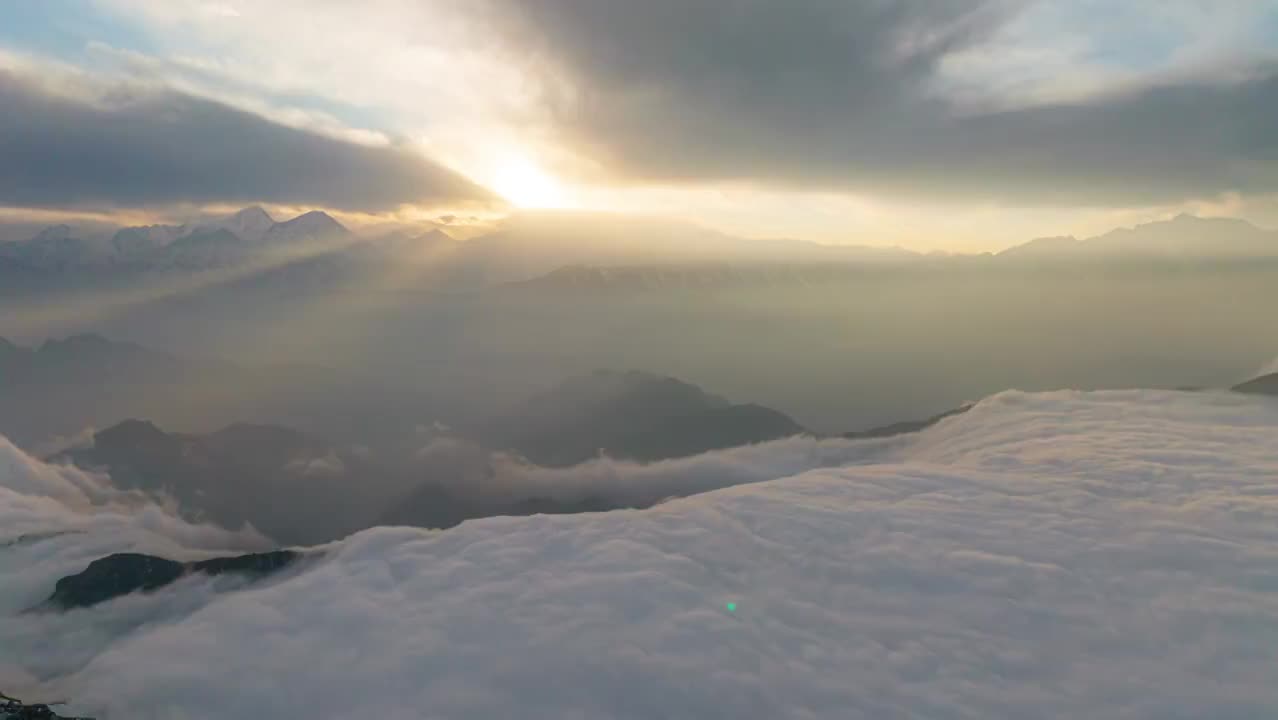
<point x="142" y="146"/>
<point x="858" y="96"/>
<point x="1052" y="555"/>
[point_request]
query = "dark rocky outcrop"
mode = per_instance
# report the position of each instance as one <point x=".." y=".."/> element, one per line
<point x="908" y="426"/>
<point x="1263" y="385"/>
<point x="126" y="573"/>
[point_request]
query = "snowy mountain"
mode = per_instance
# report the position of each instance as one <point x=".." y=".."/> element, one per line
<point x="313" y="226"/>
<point x="56" y="248"/>
<point x="250" y="224"/>
<point x="238" y="238"/>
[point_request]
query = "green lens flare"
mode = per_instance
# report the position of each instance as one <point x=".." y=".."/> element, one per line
<point x="732" y="607"/>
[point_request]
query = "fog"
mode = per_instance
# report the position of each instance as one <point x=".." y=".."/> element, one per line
<point x="1063" y="554"/>
<point x="895" y="343"/>
<point x="322" y="382"/>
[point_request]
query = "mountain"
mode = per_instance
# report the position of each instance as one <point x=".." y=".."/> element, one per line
<point x="293" y="487"/>
<point x="692" y="275"/>
<point x="250" y="224"/>
<point x="58" y="388"/>
<point x="82" y="359"/>
<point x="907" y="426"/>
<point x="1056" y="247"/>
<point x="125" y="573"/>
<point x="51" y="393"/>
<point x="241" y="237"/>
<point x="631" y="415"/>
<point x="1184" y="237"/>
<point x="313" y="226"/>
<point x="1263" y="385"/>
<point x="133" y="242"/>
<point x="56" y="248"/>
<point x="531" y="244"/>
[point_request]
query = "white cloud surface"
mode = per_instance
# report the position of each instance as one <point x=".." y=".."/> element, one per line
<point x="1059" y="555"/>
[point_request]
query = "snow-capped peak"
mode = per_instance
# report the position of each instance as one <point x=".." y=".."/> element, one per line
<point x="250" y="224"/>
<point x="314" y="225"/>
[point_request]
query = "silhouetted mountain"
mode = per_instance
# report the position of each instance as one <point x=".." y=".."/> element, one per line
<point x="252" y="224"/>
<point x="1183" y="237"/>
<point x="62" y="387"/>
<point x="133" y="242"/>
<point x="55" y="248"/>
<point x="126" y="573"/>
<point x="293" y="487"/>
<point x="83" y="358"/>
<point x="535" y="243"/>
<point x="632" y="415"/>
<point x="243" y="237"/>
<point x="1263" y="385"/>
<point x="313" y="226"/>
<point x="65" y="385"/>
<point x="695" y="276"/>
<point x="907" y="426"/>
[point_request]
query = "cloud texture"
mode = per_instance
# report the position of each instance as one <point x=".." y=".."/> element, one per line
<point x="1049" y="555"/>
<point x="856" y="95"/>
<point x="140" y="146"/>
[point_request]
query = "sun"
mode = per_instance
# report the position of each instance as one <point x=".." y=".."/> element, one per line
<point x="528" y="186"/>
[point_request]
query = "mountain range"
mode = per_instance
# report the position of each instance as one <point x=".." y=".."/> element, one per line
<point x="51" y="392"/>
<point x="630" y="415"/>
<point x="300" y="488"/>
<point x="572" y="248"/>
<point x="1184" y="236"/>
<point x="230" y="240"/>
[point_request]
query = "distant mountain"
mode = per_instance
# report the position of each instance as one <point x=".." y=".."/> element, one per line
<point x="251" y="224"/>
<point x="905" y="427"/>
<point x="692" y="275"/>
<point x="83" y="359"/>
<point x="56" y="248"/>
<point x="1183" y="237"/>
<point x="632" y="415"/>
<point x="122" y="574"/>
<point x="313" y="226"/>
<point x="535" y="243"/>
<point x="559" y="250"/>
<point x="138" y="241"/>
<point x="293" y="487"/>
<point x="238" y="238"/>
<point x="52" y="392"/>
<point x="1263" y="385"/>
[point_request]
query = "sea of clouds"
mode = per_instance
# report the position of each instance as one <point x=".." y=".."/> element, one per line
<point x="1054" y="555"/>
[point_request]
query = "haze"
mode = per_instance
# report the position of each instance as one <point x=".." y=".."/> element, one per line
<point x="638" y="358"/>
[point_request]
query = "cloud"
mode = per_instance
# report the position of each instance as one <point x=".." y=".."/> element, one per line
<point x="1045" y="555"/>
<point x="132" y="145"/>
<point x="54" y="521"/>
<point x="327" y="465"/>
<point x="857" y="96"/>
<point x="496" y="480"/>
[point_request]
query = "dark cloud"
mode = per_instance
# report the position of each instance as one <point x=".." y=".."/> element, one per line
<point x="138" y="148"/>
<point x="845" y="94"/>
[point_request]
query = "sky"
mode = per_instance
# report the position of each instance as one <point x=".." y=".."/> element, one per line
<point x="952" y="125"/>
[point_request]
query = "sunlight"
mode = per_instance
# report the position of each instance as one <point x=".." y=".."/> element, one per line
<point x="528" y="186"/>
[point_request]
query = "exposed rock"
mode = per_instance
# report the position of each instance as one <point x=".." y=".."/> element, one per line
<point x="908" y="426"/>
<point x="126" y="573"/>
<point x="1263" y="385"/>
